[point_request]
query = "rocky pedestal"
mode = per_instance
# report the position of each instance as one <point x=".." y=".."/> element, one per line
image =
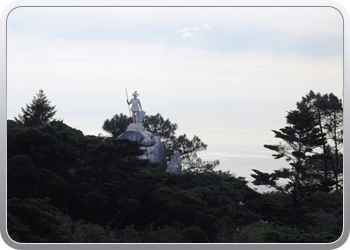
<point x="154" y="148"/>
<point x="135" y="126"/>
<point x="174" y="165"/>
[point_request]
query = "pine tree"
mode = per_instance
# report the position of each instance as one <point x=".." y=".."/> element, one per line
<point x="38" y="113"/>
<point x="334" y="128"/>
<point x="328" y="112"/>
<point x="300" y="138"/>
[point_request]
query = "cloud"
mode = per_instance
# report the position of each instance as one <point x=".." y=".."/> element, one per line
<point x="306" y="31"/>
<point x="187" y="32"/>
<point x="207" y="26"/>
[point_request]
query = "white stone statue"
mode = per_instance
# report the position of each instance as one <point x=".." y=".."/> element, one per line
<point x="135" y="108"/>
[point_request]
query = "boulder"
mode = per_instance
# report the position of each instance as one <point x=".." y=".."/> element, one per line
<point x="174" y="165"/>
<point x="147" y="141"/>
<point x="156" y="152"/>
<point x="154" y="148"/>
<point x="132" y="135"/>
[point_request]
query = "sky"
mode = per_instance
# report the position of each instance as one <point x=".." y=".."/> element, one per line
<point x="228" y="75"/>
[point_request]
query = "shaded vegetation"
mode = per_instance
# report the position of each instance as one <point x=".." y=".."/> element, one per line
<point x="166" y="130"/>
<point x="64" y="186"/>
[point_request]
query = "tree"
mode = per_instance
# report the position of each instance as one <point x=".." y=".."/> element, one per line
<point x="32" y="220"/>
<point x="300" y="138"/>
<point x="187" y="148"/>
<point x="318" y="106"/>
<point x="117" y="125"/>
<point x="328" y="112"/>
<point x="166" y="130"/>
<point x="334" y="129"/>
<point x="38" y="113"/>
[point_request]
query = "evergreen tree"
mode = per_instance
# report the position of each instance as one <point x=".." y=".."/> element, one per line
<point x="328" y="112"/>
<point x="334" y="129"/>
<point x="318" y="106"/>
<point x="300" y="138"/>
<point x="38" y="113"/>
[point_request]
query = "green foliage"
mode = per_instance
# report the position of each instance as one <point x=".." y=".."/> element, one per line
<point x="275" y="207"/>
<point x="188" y="151"/>
<point x="82" y="232"/>
<point x="252" y="233"/>
<point x="195" y="234"/>
<point x="67" y="187"/>
<point x="38" y="113"/>
<point x="117" y="124"/>
<point x="317" y="121"/>
<point x="198" y="201"/>
<point x="289" y="235"/>
<point x="312" y="175"/>
<point x="33" y="220"/>
<point x="300" y="137"/>
<point x="163" y="128"/>
<point x="101" y="192"/>
<point x="161" y="235"/>
<point x="262" y="232"/>
<point x="166" y="130"/>
<point x="328" y="112"/>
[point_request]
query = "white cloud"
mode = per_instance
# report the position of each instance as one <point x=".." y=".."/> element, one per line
<point x="187" y="32"/>
<point x="207" y="26"/>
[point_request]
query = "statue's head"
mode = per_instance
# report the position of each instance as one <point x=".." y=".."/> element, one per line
<point x="135" y="94"/>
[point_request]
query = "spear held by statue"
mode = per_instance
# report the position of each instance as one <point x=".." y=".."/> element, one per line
<point x="127" y="100"/>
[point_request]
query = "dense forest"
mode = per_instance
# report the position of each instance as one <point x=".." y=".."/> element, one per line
<point x="64" y="186"/>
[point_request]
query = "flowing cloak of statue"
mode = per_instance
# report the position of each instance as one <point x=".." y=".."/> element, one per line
<point x="135" y="104"/>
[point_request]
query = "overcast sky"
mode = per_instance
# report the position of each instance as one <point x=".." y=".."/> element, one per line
<point x="227" y="75"/>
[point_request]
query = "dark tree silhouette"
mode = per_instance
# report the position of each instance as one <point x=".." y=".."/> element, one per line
<point x="300" y="138"/>
<point x="38" y="113"/>
<point x="117" y="124"/>
<point x="166" y="130"/>
<point x="328" y="112"/>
